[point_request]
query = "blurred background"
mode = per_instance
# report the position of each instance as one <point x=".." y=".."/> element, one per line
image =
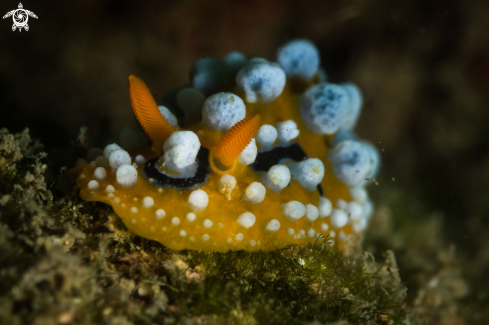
<point x="423" y="67"/>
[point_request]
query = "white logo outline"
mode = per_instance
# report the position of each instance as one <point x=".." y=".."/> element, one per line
<point x="20" y="17"/>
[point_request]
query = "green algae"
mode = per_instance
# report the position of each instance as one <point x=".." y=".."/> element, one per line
<point x="66" y="261"/>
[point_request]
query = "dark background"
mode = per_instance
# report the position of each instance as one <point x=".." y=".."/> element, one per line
<point x="423" y="67"/>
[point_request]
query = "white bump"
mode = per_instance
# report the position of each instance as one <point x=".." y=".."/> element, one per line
<point x="222" y="110"/>
<point x="341" y="204"/>
<point x="324" y="227"/>
<point x="208" y="223"/>
<point x="266" y="136"/>
<point x="109" y="189"/>
<point x="181" y="149"/>
<point x="127" y="176"/>
<point x="230" y="240"/>
<point x="286" y="131"/>
<point x="111" y="195"/>
<point x="192" y="238"/>
<point x="277" y="178"/>
<point x="183" y="233"/>
<point x="339" y="218"/>
<point x="290" y="231"/>
<point x="255" y="193"/>
<point x="101" y="161"/>
<point x="175" y="221"/>
<point x="133" y="221"/>
<point x="140" y="159"/>
<point x="82" y="176"/>
<point x="273" y="225"/>
<point x="227" y="183"/>
<point x="252" y="242"/>
<point x="117" y="200"/>
<point x="312" y="212"/>
<point x="134" y="210"/>
<point x="332" y="234"/>
<point x="311" y="232"/>
<point x="160" y="214"/>
<point x="354" y="211"/>
<point x="123" y="205"/>
<point x="360" y="226"/>
<point x="205" y="237"/>
<point x="118" y="158"/>
<point x="109" y="148"/>
<point x="248" y="155"/>
<point x="191" y="217"/>
<point x="239" y="237"/>
<point x="168" y="115"/>
<point x="293" y="210"/>
<point x="342" y="236"/>
<point x="198" y="200"/>
<point x="148" y="202"/>
<point x="309" y="173"/>
<point x="246" y="220"/>
<point x="325" y="207"/>
<point x="359" y="194"/>
<point x="93" y="185"/>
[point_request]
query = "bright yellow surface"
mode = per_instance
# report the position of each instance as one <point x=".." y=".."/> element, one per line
<point x="224" y="213"/>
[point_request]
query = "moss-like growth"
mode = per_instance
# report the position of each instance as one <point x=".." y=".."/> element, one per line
<point x="66" y="261"/>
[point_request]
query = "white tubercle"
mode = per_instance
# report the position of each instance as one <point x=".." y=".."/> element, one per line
<point x="277" y="178"/>
<point x="181" y="149"/>
<point x="293" y="210"/>
<point x="339" y="218"/>
<point x="117" y="158"/>
<point x="309" y="173"/>
<point x="169" y="117"/>
<point x="266" y="136"/>
<point x="246" y="220"/>
<point x="325" y="207"/>
<point x="286" y="131"/>
<point x="198" y="200"/>
<point x="127" y="176"/>
<point x="160" y="214"/>
<point x="248" y="155"/>
<point x="93" y="185"/>
<point x="222" y="110"/>
<point x="191" y="217"/>
<point x="109" y="148"/>
<point x="273" y="225"/>
<point x="358" y="194"/>
<point x="109" y="189"/>
<point x="140" y="159"/>
<point x="100" y="174"/>
<point x="354" y="211"/>
<point x="208" y="223"/>
<point x="255" y="193"/>
<point x="312" y="213"/>
<point x="341" y="204"/>
<point x="227" y="183"/>
<point x="148" y="202"/>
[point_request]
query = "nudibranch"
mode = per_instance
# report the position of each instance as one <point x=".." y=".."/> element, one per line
<point x="262" y="156"/>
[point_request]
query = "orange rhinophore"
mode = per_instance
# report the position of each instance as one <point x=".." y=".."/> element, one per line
<point x="223" y="156"/>
<point x="144" y="106"/>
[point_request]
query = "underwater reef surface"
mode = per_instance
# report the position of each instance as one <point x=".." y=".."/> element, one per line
<point x="67" y="261"/>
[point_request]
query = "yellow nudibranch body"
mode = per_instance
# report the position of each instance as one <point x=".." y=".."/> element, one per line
<point x="272" y="163"/>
